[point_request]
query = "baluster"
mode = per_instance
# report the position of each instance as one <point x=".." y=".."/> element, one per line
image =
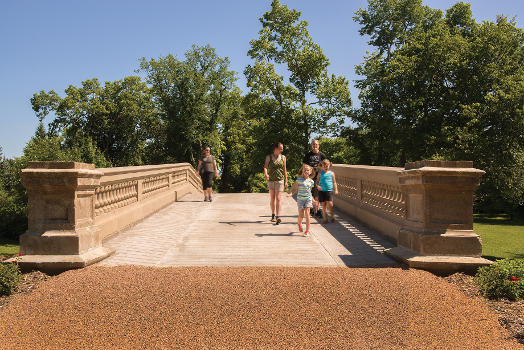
<point x="120" y="194"/>
<point x="127" y="192"/>
<point x="123" y="195"/>
<point x="110" y="198"/>
<point x="104" y="199"/>
<point x="132" y="191"/>
<point x="117" y="196"/>
<point x="107" y="196"/>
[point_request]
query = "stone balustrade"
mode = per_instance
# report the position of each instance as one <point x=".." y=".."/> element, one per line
<point x="73" y="206"/>
<point x="426" y="208"/>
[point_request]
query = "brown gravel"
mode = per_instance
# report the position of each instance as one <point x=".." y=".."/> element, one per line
<point x="132" y="307"/>
<point x="28" y="282"/>
<point x="510" y="313"/>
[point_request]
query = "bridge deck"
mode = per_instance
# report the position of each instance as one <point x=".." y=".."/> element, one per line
<point x="235" y="230"/>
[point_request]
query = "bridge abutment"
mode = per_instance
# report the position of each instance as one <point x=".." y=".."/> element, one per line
<point x="425" y="208"/>
<point x="72" y="207"/>
<point x="61" y="230"/>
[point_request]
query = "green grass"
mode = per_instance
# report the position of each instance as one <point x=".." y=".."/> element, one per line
<point x="8" y="247"/>
<point x="501" y="236"/>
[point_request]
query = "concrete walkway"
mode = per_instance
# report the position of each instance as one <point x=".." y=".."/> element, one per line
<point x="235" y="230"/>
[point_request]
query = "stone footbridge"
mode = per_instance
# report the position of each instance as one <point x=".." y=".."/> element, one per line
<point x="235" y="229"/>
<point x="421" y="215"/>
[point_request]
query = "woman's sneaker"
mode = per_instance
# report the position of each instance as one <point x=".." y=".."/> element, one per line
<point x="278" y="221"/>
<point x="272" y="217"/>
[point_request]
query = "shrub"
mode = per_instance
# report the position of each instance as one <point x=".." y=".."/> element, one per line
<point x="502" y="279"/>
<point x="9" y="277"/>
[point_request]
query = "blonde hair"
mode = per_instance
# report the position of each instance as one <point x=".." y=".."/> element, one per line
<point x="305" y="166"/>
<point x="326" y="162"/>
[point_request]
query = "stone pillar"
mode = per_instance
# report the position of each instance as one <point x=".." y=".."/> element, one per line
<point x="437" y="233"/>
<point x="61" y="233"/>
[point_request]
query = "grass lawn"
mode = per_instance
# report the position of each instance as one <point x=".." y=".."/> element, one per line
<point x="8" y="247"/>
<point x="501" y="237"/>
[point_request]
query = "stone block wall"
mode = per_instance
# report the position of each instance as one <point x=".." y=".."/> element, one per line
<point x="426" y="208"/>
<point x="72" y="207"/>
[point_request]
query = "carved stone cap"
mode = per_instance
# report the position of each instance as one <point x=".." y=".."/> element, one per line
<point x="459" y="174"/>
<point x="59" y="165"/>
<point x="60" y="176"/>
<point x="439" y="164"/>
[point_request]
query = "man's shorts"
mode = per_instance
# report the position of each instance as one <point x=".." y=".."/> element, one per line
<point x="325" y="196"/>
<point x="303" y="203"/>
<point x="276" y="185"/>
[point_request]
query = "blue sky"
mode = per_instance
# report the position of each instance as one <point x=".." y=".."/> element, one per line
<point x="48" y="45"/>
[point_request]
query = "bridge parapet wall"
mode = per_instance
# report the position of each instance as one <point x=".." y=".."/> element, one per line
<point x="73" y="206"/>
<point x="426" y="208"/>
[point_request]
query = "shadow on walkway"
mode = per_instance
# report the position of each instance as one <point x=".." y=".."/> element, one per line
<point x="365" y="247"/>
<point x="234" y="223"/>
<point x="274" y="234"/>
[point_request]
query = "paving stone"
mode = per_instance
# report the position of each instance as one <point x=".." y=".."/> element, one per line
<point x="235" y="230"/>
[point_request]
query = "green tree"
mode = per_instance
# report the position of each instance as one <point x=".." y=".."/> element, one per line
<point x="192" y="97"/>
<point x="41" y="147"/>
<point x="310" y="100"/>
<point x="13" y="218"/>
<point x="443" y="87"/>
<point x="338" y="150"/>
<point x="118" y="118"/>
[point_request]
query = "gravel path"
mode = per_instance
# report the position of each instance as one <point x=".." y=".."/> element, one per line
<point x="131" y="307"/>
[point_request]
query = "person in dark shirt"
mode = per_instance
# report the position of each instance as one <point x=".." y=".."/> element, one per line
<point x="207" y="170"/>
<point x="313" y="158"/>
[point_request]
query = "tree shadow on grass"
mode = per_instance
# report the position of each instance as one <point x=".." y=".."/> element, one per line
<point x="501" y="219"/>
<point x="495" y="258"/>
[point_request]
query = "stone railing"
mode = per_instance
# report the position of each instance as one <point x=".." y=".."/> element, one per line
<point x="72" y="207"/>
<point x="426" y="208"/>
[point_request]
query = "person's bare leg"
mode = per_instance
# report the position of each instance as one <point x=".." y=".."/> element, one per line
<point x="272" y="201"/>
<point x="330" y="208"/>
<point x="306" y="214"/>
<point x="300" y="217"/>
<point x="324" y="211"/>
<point x="278" y="204"/>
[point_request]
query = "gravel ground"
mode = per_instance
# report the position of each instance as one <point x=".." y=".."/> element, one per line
<point x="510" y="313"/>
<point x="28" y="282"/>
<point x="130" y="307"/>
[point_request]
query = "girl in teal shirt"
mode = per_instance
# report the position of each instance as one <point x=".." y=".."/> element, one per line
<point x="326" y="185"/>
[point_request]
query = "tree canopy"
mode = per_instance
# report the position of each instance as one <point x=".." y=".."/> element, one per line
<point x="443" y="86"/>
